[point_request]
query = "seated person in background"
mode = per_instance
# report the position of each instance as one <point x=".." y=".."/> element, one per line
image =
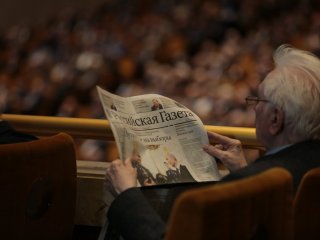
<point x="287" y="124"/>
<point x="9" y="135"/>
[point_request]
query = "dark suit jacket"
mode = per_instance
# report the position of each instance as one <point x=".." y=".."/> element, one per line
<point x="132" y="216"/>
<point x="297" y="159"/>
<point x="9" y="135"/>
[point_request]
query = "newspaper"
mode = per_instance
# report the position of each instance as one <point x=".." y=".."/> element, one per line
<point x="163" y="138"/>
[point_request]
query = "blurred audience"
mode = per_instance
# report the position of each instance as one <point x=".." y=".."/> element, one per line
<point x="208" y="55"/>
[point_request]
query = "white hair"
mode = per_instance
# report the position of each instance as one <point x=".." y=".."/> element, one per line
<point x="294" y="86"/>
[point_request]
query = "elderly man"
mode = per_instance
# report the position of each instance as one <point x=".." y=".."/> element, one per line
<point x="287" y="124"/>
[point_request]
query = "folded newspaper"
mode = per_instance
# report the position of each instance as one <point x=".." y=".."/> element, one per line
<point x="163" y="138"/>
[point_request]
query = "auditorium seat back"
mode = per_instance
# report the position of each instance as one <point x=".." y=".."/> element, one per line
<point x="258" y="207"/>
<point x="307" y="207"/>
<point x="38" y="189"/>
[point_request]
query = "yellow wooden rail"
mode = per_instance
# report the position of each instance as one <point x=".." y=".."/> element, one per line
<point x="93" y="199"/>
<point x="100" y="128"/>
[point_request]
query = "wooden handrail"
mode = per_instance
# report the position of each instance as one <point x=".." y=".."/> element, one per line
<point x="100" y="128"/>
<point x="46" y="125"/>
<point x="91" y="210"/>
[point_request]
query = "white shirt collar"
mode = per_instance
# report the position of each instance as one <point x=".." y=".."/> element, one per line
<point x="275" y="150"/>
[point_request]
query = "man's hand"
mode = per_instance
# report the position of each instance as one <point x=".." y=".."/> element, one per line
<point x="228" y="150"/>
<point x="120" y="176"/>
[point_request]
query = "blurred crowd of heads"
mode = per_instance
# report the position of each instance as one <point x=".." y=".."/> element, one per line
<point x="207" y="55"/>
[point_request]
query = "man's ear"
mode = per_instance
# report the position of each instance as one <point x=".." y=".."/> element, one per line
<point x="277" y="121"/>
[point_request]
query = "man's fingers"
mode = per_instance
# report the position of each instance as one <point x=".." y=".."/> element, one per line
<point x="128" y="161"/>
<point x="214" y="151"/>
<point x="110" y="173"/>
<point x="116" y="162"/>
<point x="219" y="146"/>
<point x="215" y="137"/>
<point x="114" y="166"/>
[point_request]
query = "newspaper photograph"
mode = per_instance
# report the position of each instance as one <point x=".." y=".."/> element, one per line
<point x="163" y="138"/>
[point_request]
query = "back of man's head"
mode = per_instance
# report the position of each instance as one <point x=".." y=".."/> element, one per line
<point x="294" y="86"/>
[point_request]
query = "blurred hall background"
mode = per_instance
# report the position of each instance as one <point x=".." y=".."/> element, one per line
<point x="208" y="55"/>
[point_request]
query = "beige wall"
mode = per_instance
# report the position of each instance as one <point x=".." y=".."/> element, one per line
<point x="33" y="11"/>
